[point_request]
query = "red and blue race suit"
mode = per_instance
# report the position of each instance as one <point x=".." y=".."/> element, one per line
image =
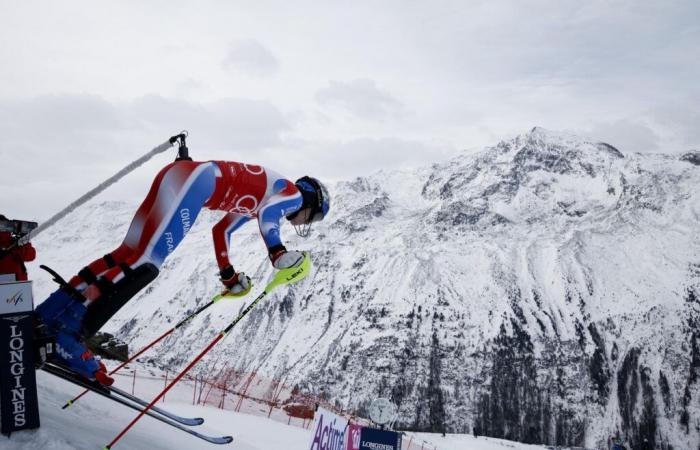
<point x="178" y="194"/>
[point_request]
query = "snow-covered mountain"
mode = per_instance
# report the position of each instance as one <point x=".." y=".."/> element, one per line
<point x="545" y="290"/>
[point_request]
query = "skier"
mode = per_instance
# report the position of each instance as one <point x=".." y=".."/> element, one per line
<point x="78" y="309"/>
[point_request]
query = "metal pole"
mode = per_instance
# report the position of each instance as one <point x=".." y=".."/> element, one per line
<point x="102" y="186"/>
<point x="166" y="383"/>
<point x="194" y="391"/>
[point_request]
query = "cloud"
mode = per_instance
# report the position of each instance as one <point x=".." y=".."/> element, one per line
<point x="55" y="148"/>
<point x="626" y="135"/>
<point x="229" y="123"/>
<point x="251" y="58"/>
<point x="681" y="119"/>
<point x="48" y="136"/>
<point x="361" y="97"/>
<point x="342" y="160"/>
<point x="190" y="88"/>
<point x="62" y="115"/>
<point x="78" y="128"/>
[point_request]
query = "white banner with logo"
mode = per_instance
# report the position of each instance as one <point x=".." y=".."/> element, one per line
<point x="329" y="431"/>
<point x="16" y="297"/>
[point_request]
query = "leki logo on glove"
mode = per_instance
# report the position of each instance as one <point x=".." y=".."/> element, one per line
<point x="15" y="299"/>
<point x="295" y="274"/>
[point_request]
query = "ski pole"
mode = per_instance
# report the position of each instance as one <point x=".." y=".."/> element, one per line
<point x="284" y="276"/>
<point x="144" y="349"/>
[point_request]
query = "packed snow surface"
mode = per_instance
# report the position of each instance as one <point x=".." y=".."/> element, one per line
<point x="94" y="421"/>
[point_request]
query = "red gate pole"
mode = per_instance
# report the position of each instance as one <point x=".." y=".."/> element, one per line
<point x="275" y="398"/>
<point x="284" y="276"/>
<point x="223" y="395"/>
<point x="159" y="396"/>
<point x="244" y="393"/>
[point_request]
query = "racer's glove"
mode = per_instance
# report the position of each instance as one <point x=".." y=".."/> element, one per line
<point x="283" y="259"/>
<point x="237" y="284"/>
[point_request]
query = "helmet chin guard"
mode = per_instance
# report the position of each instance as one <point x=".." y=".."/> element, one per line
<point x="315" y="206"/>
<point x="303" y="230"/>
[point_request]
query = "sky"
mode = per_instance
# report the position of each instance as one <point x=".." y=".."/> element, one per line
<point x="330" y="89"/>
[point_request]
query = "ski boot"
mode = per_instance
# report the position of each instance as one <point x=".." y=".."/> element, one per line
<point x="44" y="343"/>
<point x="61" y="315"/>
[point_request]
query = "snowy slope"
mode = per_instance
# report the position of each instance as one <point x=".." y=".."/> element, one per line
<point x="543" y="290"/>
<point x="94" y="421"/>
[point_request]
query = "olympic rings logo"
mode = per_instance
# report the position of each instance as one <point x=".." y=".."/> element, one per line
<point x="251" y="169"/>
<point x="245" y="209"/>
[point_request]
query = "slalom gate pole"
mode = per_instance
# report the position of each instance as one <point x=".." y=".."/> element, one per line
<point x="144" y="349"/>
<point x="284" y="276"/>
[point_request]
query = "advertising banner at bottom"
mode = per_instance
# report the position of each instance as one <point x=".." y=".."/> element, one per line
<point x="354" y="431"/>
<point x="329" y="431"/>
<point x="374" y="439"/>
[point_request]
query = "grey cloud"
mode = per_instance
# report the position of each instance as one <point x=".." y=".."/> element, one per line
<point x="189" y="87"/>
<point x="79" y="127"/>
<point x="55" y="148"/>
<point x="682" y="119"/>
<point x="228" y="123"/>
<point x="360" y="97"/>
<point x="363" y="156"/>
<point x="49" y="137"/>
<point x="69" y="117"/>
<point x="626" y="135"/>
<point x="250" y="57"/>
<point x="566" y="40"/>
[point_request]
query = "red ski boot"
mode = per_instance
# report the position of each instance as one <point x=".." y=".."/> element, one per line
<point x="102" y="376"/>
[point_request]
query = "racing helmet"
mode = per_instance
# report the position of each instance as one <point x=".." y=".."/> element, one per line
<point x="316" y="199"/>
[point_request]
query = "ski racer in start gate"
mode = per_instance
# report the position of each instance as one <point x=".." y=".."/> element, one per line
<point x="77" y="310"/>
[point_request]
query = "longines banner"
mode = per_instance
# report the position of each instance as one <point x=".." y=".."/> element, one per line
<point x="373" y="439"/>
<point x="329" y="431"/>
<point x="19" y="406"/>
